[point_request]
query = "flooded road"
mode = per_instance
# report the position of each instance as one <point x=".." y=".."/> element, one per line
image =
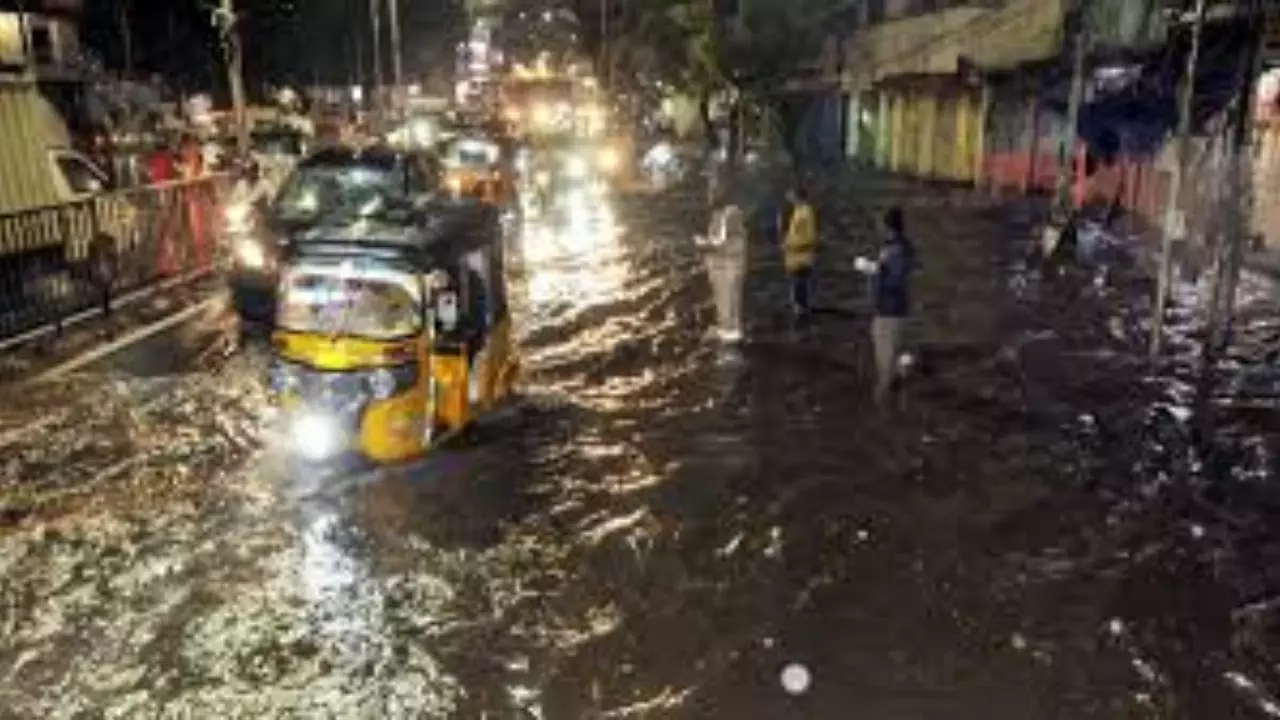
<point x="657" y="533"/>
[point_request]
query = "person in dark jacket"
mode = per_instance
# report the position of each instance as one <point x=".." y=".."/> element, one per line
<point x="891" y="275"/>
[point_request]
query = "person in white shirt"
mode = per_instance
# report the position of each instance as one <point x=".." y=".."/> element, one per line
<point x="252" y="189"/>
<point x="726" y="259"/>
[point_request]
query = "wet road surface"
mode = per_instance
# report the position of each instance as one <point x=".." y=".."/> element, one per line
<point x="658" y="533"/>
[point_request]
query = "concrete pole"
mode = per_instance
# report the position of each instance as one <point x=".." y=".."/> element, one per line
<point x="375" y="22"/>
<point x="226" y="17"/>
<point x="1174" y="215"/>
<point x="1240" y="183"/>
<point x="397" y="50"/>
<point x="1079" y="55"/>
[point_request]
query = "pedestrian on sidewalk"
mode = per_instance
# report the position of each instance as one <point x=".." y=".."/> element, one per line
<point x="891" y="299"/>
<point x="799" y="249"/>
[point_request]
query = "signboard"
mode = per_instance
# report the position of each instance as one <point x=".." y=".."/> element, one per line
<point x="1271" y="35"/>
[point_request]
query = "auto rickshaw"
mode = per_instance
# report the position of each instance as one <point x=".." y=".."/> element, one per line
<point x="392" y="335"/>
<point x="475" y="168"/>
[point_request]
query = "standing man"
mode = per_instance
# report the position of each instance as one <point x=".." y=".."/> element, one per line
<point x="726" y="259"/>
<point x="799" y="249"/>
<point x="891" y="298"/>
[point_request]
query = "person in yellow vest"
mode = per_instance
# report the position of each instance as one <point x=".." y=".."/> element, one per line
<point x="799" y="249"/>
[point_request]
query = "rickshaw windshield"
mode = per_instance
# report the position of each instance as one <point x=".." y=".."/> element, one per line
<point x="336" y="300"/>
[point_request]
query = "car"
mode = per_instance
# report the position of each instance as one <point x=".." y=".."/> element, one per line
<point x="332" y="182"/>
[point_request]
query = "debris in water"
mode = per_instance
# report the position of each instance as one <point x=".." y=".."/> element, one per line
<point x="796" y="679"/>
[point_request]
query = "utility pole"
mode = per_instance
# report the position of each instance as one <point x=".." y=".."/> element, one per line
<point x="1078" y="18"/>
<point x="606" y="52"/>
<point x="1175" y="214"/>
<point x="124" y="18"/>
<point x="225" y="18"/>
<point x="397" y="51"/>
<point x="1238" y="214"/>
<point x="375" y="20"/>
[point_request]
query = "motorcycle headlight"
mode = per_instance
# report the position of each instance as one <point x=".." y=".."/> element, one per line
<point x="251" y="254"/>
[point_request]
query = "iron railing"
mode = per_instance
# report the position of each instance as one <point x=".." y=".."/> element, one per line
<point x="61" y="260"/>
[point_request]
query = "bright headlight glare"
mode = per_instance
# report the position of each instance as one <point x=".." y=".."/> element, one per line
<point x="251" y="254"/>
<point x="609" y="158"/>
<point x="316" y="436"/>
<point x="236" y="214"/>
<point x="576" y="167"/>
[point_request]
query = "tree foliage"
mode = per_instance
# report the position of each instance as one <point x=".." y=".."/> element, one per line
<point x="752" y="51"/>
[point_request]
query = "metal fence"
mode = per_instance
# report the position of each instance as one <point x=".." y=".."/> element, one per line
<point x="62" y="260"/>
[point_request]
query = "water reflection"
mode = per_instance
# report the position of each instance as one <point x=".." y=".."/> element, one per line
<point x="573" y="254"/>
<point x="343" y="601"/>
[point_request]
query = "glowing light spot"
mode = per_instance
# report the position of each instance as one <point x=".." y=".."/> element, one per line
<point x="796" y="679"/>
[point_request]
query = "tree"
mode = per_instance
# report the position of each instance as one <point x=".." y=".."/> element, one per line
<point x="743" y="55"/>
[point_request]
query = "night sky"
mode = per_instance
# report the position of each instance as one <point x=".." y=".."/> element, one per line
<point x="329" y="42"/>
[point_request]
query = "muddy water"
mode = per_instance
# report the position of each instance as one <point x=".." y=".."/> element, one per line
<point x="657" y="532"/>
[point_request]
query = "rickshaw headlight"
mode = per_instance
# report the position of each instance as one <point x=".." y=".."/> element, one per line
<point x="382" y="383"/>
<point x="316" y="436"/>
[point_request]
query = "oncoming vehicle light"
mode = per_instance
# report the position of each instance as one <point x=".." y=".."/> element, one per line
<point x="250" y="254"/>
<point x="316" y="436"/>
<point x="609" y="159"/>
<point x="237" y="215"/>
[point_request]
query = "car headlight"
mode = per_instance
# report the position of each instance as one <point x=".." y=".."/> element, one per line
<point x="455" y="185"/>
<point x="251" y="254"/>
<point x="315" y="436"/>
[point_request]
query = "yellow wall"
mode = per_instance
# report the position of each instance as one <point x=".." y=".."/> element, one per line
<point x="931" y="133"/>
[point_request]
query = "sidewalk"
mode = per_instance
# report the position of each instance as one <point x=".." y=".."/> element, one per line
<point x="27" y="359"/>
